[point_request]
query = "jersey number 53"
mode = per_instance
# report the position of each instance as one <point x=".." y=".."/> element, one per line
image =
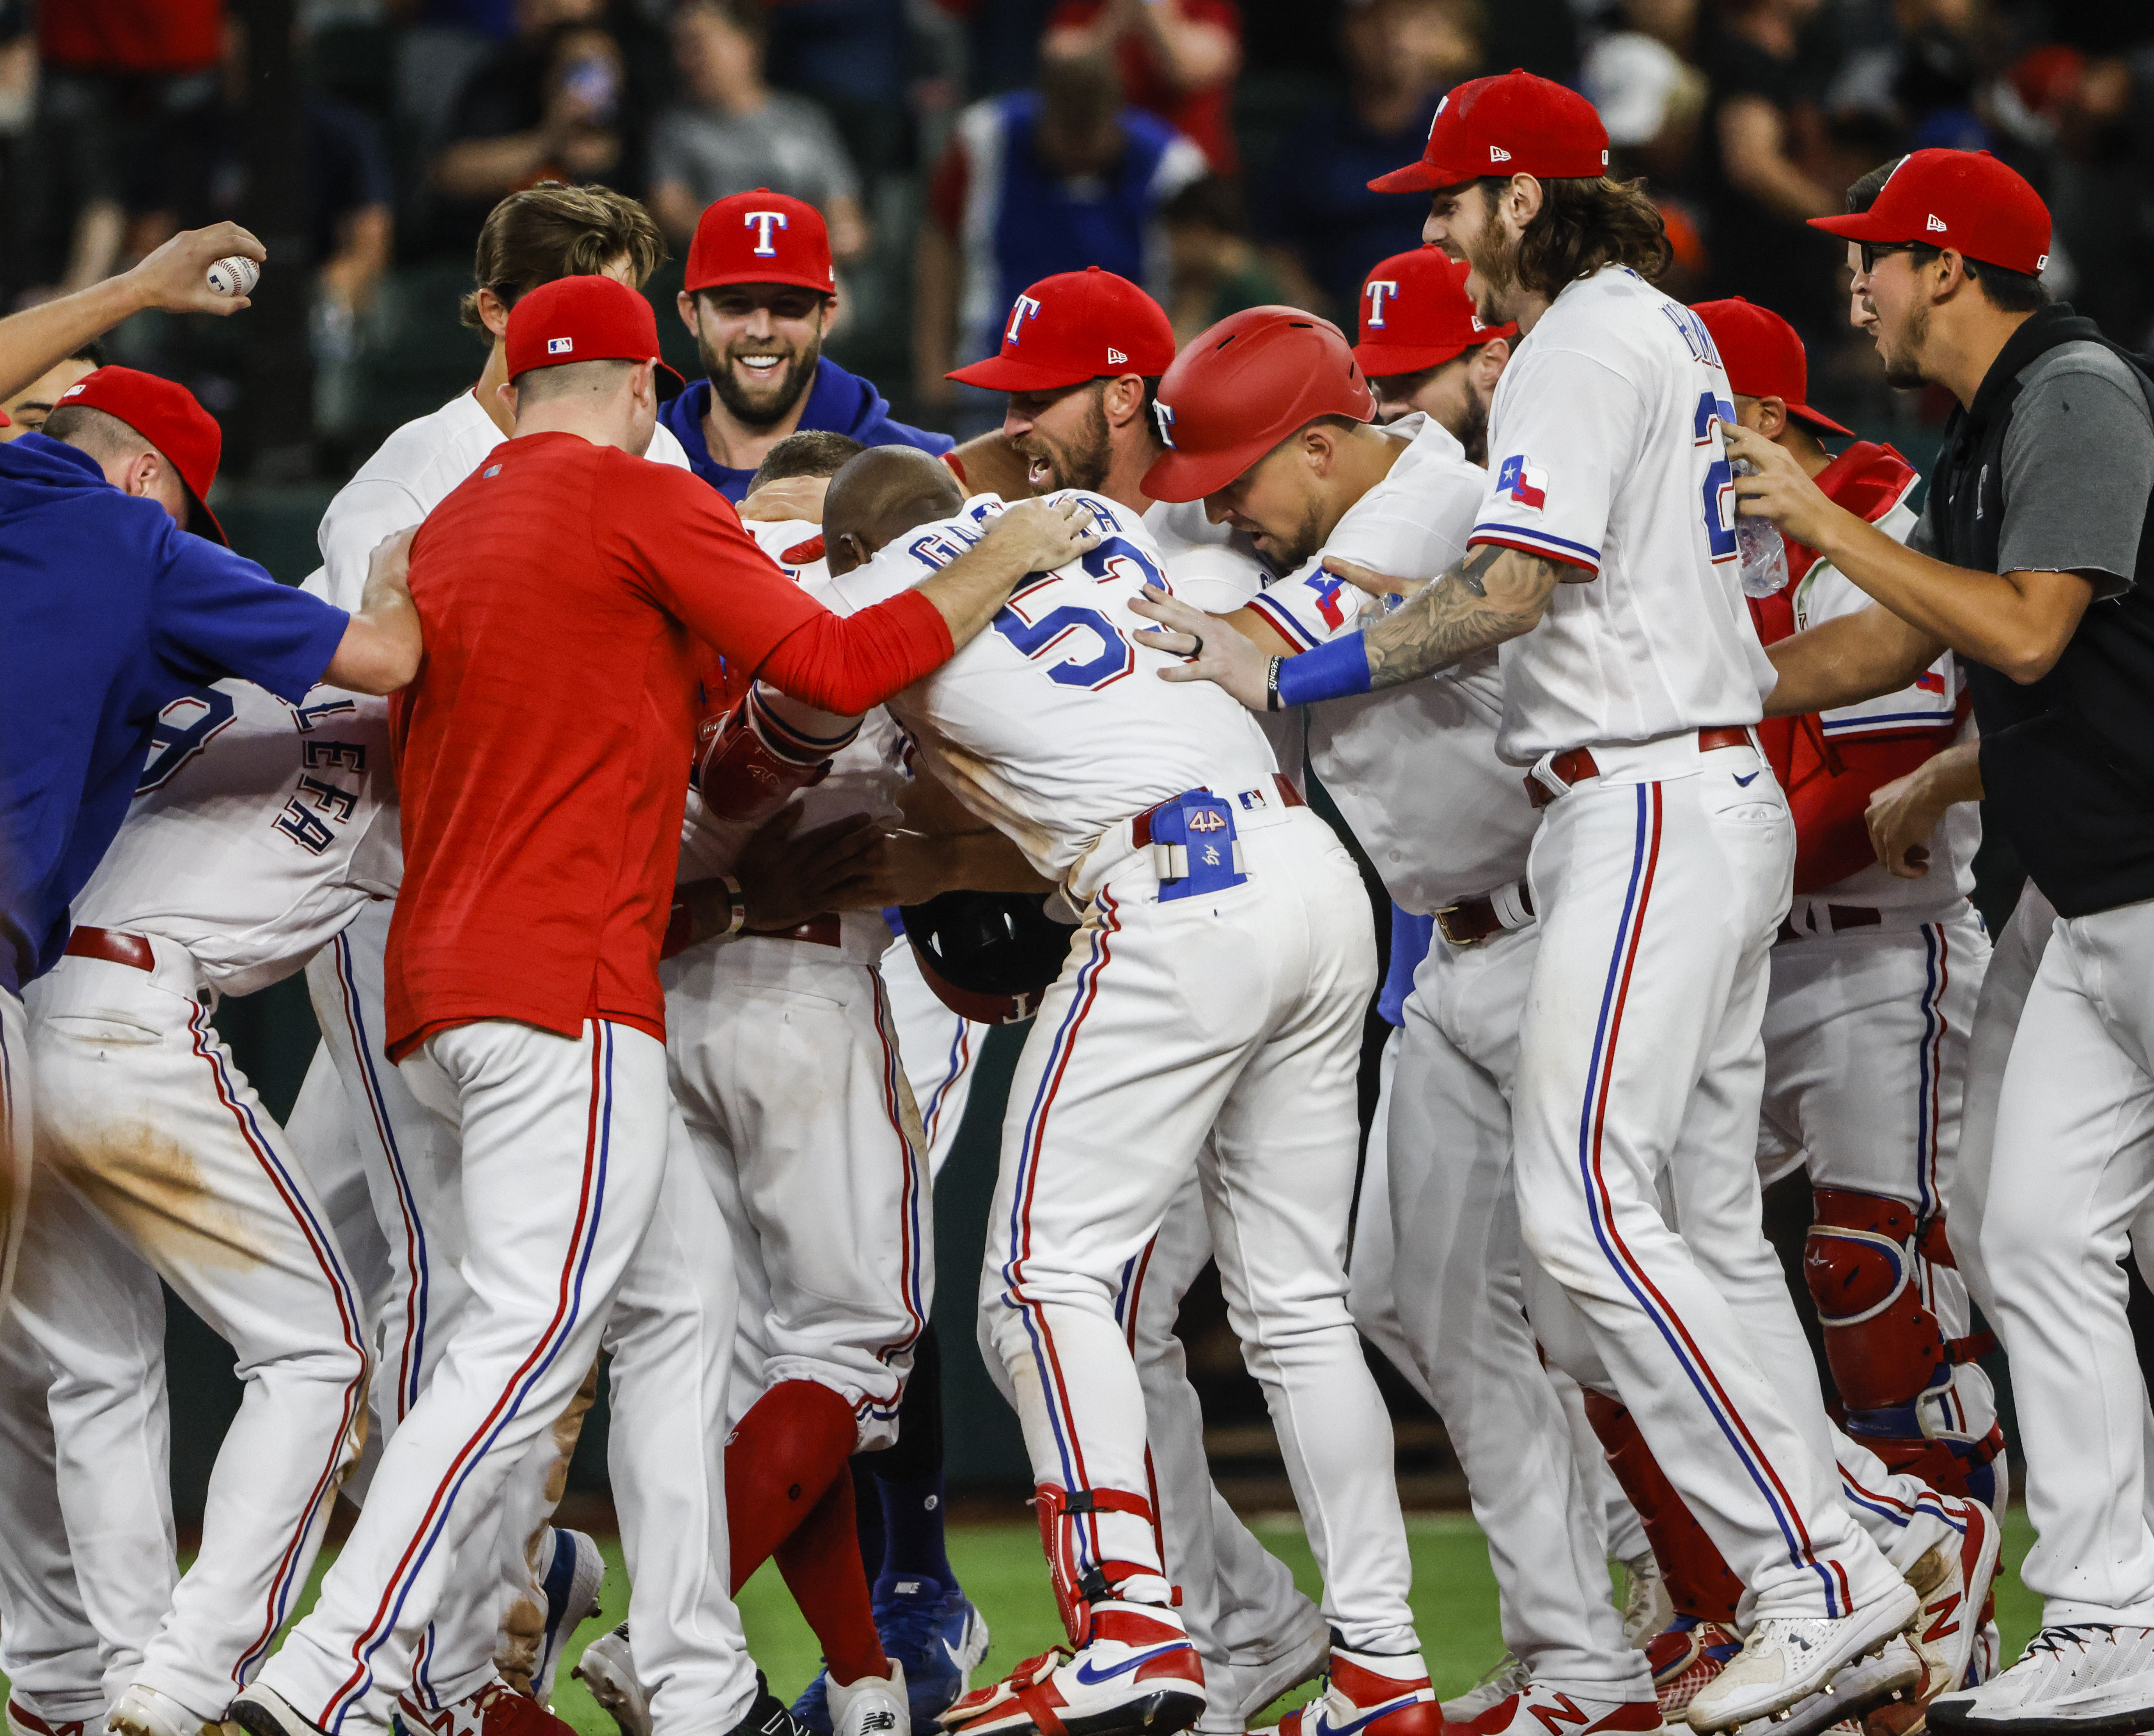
<point x="1076" y="645"/>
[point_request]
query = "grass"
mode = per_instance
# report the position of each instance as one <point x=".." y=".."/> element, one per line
<point x="1454" y="1602"/>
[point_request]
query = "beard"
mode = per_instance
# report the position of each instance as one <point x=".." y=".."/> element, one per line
<point x="1494" y="258"/>
<point x="1290" y="552"/>
<point x="1473" y="433"/>
<point x="1082" y="463"/>
<point x="760" y="406"/>
<point x="1903" y="370"/>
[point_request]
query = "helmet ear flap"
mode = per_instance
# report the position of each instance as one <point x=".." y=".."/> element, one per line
<point x="989" y="957"/>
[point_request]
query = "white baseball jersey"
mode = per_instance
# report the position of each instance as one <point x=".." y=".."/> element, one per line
<point x="1413" y="768"/>
<point x="1052" y="725"/>
<point x="414" y="471"/>
<point x="258" y="830"/>
<point x="1605" y="439"/>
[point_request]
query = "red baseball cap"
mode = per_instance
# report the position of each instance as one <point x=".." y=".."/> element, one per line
<point x="165" y="413"/>
<point x="1075" y="326"/>
<point x="761" y="237"/>
<point x="1513" y="124"/>
<point x="1965" y="199"/>
<point x="1241" y="388"/>
<point x="1415" y="314"/>
<point x="586" y="318"/>
<point x="1763" y="357"/>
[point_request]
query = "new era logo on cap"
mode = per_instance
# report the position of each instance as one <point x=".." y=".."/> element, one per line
<point x="559" y="346"/>
<point x="72" y="390"/>
<point x="1497" y="154"/>
<point x="1114" y="357"/>
<point x="1936" y="222"/>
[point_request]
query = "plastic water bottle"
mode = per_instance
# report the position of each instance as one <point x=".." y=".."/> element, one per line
<point x="1760" y="549"/>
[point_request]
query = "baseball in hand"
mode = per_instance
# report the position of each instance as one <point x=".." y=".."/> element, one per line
<point x="235" y="274"/>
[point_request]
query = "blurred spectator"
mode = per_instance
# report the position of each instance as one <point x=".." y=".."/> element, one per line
<point x="1214" y="268"/>
<point x="1650" y="93"/>
<point x="27" y="411"/>
<point x="1324" y="228"/>
<point x="1033" y="183"/>
<point x="1920" y="88"/>
<point x="1177" y="59"/>
<point x="126" y="85"/>
<point x="732" y="132"/>
<point x="857" y="60"/>
<point x="545" y="106"/>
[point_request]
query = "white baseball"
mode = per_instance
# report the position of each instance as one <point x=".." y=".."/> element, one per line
<point x="234" y="275"/>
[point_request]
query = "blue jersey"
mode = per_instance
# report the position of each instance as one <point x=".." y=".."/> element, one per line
<point x="838" y="403"/>
<point x="1411" y="937"/>
<point x="109" y="611"/>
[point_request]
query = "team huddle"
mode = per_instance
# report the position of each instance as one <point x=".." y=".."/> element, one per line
<point x="661" y="797"/>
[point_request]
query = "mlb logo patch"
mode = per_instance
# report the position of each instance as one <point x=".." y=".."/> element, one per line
<point x="1525" y="484"/>
<point x="559" y="346"/>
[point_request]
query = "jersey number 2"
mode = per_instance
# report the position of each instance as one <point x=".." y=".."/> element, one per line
<point x="1719" y="478"/>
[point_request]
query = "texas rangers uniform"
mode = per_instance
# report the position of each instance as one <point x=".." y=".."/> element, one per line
<point x="1640" y="1052"/>
<point x="258" y="829"/>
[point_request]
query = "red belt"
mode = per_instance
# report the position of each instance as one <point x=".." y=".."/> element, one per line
<point x="1837" y="917"/>
<point x="1475" y="919"/>
<point x="824" y="931"/>
<point x="113" y="946"/>
<point x="1140" y="827"/>
<point x="1579" y="761"/>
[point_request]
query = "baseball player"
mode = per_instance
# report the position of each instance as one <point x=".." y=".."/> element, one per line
<point x="2035" y="515"/>
<point x="1603" y="563"/>
<point x="1406" y="301"/>
<point x="1175" y="1000"/>
<point x="27" y="410"/>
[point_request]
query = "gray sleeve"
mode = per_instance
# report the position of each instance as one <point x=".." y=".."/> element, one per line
<point x="2079" y="465"/>
<point x="1923" y="539"/>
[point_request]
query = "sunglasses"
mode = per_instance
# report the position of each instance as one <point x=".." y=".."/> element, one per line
<point x="1873" y="250"/>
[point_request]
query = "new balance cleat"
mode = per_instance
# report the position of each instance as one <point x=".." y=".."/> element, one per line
<point x="495" y="1710"/>
<point x="608" y="1669"/>
<point x="1787" y="1658"/>
<point x="1140" y="1674"/>
<point x="1954" y="1579"/>
<point x="932" y="1630"/>
<point x="1537" y="1711"/>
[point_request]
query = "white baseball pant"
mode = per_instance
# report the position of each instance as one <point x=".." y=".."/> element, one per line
<point x="1865" y="1061"/>
<point x="15" y="1134"/>
<point x="1449" y="1232"/>
<point x="87" y="1562"/>
<point x="1660" y="884"/>
<point x="141" y="1111"/>
<point x="784" y="1064"/>
<point x="938" y="1048"/>
<point x="1236" y="1014"/>
<point x="563" y="1144"/>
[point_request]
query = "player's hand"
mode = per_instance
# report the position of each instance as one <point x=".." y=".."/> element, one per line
<point x="388" y="569"/>
<point x="1037" y="536"/>
<point x="788" y="497"/>
<point x="1901" y="816"/>
<point x="787" y="876"/>
<point x="1368" y="579"/>
<point x="1780" y="490"/>
<point x="176" y="277"/>
<point x="1211" y="650"/>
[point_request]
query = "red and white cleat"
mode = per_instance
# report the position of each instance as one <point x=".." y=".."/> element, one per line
<point x="1139" y="1676"/>
<point x="1368" y="1694"/>
<point x="1686" y="1655"/>
<point x="1537" y="1711"/>
<point x="23" y="1722"/>
<point x="495" y="1710"/>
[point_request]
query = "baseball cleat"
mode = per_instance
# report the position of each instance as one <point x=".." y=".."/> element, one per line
<point x="1647" y="1608"/>
<point x="495" y="1710"/>
<point x="1535" y="1711"/>
<point x="1363" y="1691"/>
<point x="1683" y="1657"/>
<point x="571" y="1585"/>
<point x="1787" y="1658"/>
<point x="766" y="1715"/>
<point x="1253" y="1686"/>
<point x="141" y="1711"/>
<point x="2089" y="1679"/>
<point x="23" y="1722"/>
<point x="1508" y="1675"/>
<point x="1886" y="1687"/>
<point x="1954" y="1579"/>
<point x="260" y="1710"/>
<point x="1140" y="1674"/>
<point x="873" y="1706"/>
<point x="932" y="1630"/>
<point x="608" y="1669"/>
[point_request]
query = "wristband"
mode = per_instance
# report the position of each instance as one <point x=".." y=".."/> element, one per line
<point x="1332" y="671"/>
<point x="1271" y="684"/>
<point x="736" y="903"/>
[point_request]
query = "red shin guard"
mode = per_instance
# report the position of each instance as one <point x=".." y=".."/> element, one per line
<point x="793" y="1442"/>
<point x="1700" y="1581"/>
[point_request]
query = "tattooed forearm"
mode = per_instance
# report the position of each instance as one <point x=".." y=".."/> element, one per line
<point x="1493" y="595"/>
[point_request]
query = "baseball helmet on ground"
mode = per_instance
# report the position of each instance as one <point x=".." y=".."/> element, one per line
<point x="989" y="956"/>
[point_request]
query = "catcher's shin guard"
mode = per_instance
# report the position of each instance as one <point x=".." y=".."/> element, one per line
<point x="1890" y="1358"/>
<point x="1071" y="1543"/>
<point x="1700" y="1581"/>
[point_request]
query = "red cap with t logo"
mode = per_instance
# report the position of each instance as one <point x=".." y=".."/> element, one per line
<point x="1763" y="357"/>
<point x="165" y="413"/>
<point x="1513" y="124"/>
<point x="579" y="319"/>
<point x="1415" y="314"/>
<point x="761" y="237"/>
<point x="1074" y="326"/>
<point x="1965" y="199"/>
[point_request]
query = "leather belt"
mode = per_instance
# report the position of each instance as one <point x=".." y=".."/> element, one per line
<point x="823" y="931"/>
<point x="1578" y="763"/>
<point x="1837" y="917"/>
<point x="113" y="946"/>
<point x="1473" y="919"/>
<point x="1140" y="827"/>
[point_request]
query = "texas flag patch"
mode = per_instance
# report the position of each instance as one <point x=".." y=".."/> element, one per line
<point x="1527" y="484"/>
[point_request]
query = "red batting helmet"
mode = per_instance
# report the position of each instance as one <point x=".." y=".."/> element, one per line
<point x="1239" y="389"/>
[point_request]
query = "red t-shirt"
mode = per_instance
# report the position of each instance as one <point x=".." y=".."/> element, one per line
<point x="543" y="753"/>
<point x="136" y="36"/>
<point x="1206" y="116"/>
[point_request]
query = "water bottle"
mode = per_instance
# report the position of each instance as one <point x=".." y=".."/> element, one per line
<point x="1760" y="549"/>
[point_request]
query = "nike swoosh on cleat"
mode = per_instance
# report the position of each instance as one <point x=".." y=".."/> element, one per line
<point x="1091" y="1677"/>
<point x="1744" y="782"/>
<point x="1327" y="1727"/>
